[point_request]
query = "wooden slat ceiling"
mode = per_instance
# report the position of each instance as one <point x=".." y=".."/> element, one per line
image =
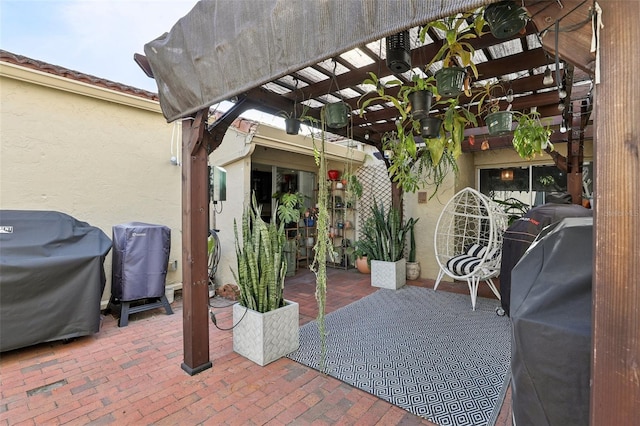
<point x="518" y="63"/>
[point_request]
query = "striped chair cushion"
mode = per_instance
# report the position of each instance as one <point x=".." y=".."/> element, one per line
<point x="467" y="263"/>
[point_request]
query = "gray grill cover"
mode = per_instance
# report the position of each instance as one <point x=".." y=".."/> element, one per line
<point x="51" y="277"/>
<point x="140" y="259"/>
<point x="551" y="317"/>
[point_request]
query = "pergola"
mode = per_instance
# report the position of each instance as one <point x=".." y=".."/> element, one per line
<point x="268" y="54"/>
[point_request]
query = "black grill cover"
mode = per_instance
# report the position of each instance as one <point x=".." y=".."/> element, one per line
<point x="551" y="326"/>
<point x="51" y="277"/>
<point x="140" y="260"/>
<point x="521" y="233"/>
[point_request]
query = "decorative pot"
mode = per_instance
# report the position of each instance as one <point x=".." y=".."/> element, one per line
<point x="398" y="49"/>
<point x="336" y="115"/>
<point x="450" y="80"/>
<point x="420" y="103"/>
<point x="309" y="221"/>
<point x="266" y="337"/>
<point x="430" y="127"/>
<point x="392" y="275"/>
<point x="362" y="265"/>
<point x="413" y="270"/>
<point x="292" y="126"/>
<point x="499" y="122"/>
<point x="310" y="241"/>
<point x="505" y="19"/>
<point x="333" y="174"/>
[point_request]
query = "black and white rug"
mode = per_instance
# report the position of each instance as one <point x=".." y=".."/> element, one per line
<point x="422" y="350"/>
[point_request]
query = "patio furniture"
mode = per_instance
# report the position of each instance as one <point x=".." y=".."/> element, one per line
<point x="468" y="240"/>
<point x="140" y="261"/>
<point x="51" y="277"/>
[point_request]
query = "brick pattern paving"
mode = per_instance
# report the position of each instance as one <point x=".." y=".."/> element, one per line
<point x="132" y="375"/>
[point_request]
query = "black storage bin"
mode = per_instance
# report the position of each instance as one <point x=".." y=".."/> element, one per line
<point x="139" y="270"/>
<point x="551" y="334"/>
<point x="51" y="277"/>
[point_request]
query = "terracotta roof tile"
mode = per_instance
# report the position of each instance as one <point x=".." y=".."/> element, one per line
<point x="59" y="71"/>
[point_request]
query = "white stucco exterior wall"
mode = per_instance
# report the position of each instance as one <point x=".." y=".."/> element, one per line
<point x="98" y="155"/>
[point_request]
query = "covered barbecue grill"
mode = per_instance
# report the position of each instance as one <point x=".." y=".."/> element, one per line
<point x="51" y="277"/>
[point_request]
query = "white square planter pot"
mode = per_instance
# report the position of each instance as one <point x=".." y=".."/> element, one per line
<point x="392" y="275"/>
<point x="263" y="338"/>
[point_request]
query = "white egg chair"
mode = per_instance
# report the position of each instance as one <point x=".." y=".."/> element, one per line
<point x="468" y="240"/>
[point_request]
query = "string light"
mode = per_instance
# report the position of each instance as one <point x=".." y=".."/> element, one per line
<point x="548" y="78"/>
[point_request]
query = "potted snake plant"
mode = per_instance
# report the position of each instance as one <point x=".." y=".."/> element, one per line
<point x="387" y="234"/>
<point x="267" y="325"/>
<point x="413" y="266"/>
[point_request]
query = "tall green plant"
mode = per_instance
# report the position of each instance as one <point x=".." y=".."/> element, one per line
<point x="411" y="223"/>
<point x="384" y="235"/>
<point x="261" y="263"/>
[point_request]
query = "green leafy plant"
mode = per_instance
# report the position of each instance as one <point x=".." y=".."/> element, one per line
<point x="513" y="207"/>
<point x="458" y="29"/>
<point x="290" y="206"/>
<point x="261" y="261"/>
<point x="530" y="136"/>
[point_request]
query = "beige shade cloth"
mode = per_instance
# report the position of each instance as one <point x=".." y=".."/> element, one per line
<point x="224" y="48"/>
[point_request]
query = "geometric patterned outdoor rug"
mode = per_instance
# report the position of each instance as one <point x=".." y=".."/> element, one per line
<point x="422" y="350"/>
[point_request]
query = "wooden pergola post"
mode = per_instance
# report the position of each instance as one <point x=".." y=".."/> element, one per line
<point x="195" y="230"/>
<point x="615" y="378"/>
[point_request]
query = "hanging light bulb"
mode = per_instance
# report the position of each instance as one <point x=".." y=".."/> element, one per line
<point x="509" y="95"/>
<point x="563" y="126"/>
<point x="548" y="78"/>
<point x="561" y="106"/>
<point x="562" y="92"/>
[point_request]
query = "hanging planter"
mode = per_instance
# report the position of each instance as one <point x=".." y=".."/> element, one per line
<point x="292" y="126"/>
<point x="505" y="19"/>
<point x="420" y="102"/>
<point x="430" y="127"/>
<point x="333" y="174"/>
<point x="336" y="115"/>
<point x="499" y="122"/>
<point x="449" y="80"/>
<point x="399" y="52"/>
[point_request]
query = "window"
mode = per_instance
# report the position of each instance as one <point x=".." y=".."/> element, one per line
<point x="530" y="184"/>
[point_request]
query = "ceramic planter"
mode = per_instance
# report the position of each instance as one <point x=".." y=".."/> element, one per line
<point x="413" y="270"/>
<point x="505" y="19"/>
<point x="292" y="126"/>
<point x="391" y="275"/>
<point x="430" y="127"/>
<point x="336" y="115"/>
<point x="450" y="80"/>
<point x="398" y="49"/>
<point x="420" y="103"/>
<point x="499" y="122"/>
<point x="264" y="338"/>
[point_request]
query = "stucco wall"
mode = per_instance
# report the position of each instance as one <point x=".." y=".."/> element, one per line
<point x="100" y="161"/>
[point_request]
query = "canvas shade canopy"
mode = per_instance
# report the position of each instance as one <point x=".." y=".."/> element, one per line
<point x="222" y="49"/>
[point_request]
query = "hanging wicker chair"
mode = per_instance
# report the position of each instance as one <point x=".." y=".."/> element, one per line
<point x="468" y="240"/>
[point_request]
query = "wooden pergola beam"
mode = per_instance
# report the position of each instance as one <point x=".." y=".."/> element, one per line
<point x="615" y="378"/>
<point x="198" y="142"/>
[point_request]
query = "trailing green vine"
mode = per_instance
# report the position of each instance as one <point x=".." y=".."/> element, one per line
<point x="323" y="243"/>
